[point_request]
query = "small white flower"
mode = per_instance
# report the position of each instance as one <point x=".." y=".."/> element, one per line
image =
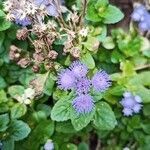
<point x="27" y="96"/>
<point x="68" y="17"/>
<point x="126" y="148"/>
<point x="74" y="7"/>
<point x="49" y="145"/>
<point x="10" y="17"/>
<point x="7" y="5"/>
<point x="51" y="24"/>
<point x="84" y="32"/>
<point x="21" y="14"/>
<point x="29" y="93"/>
<point x="30" y="8"/>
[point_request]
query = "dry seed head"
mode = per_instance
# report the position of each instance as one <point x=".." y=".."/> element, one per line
<point x="22" y="34"/>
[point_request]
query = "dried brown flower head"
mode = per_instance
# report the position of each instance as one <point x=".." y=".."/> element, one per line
<point x="22" y="34"/>
<point x="24" y="62"/>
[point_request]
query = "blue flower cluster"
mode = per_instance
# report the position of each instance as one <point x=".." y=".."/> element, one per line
<point x="75" y="78"/>
<point x="49" y="6"/>
<point x="142" y="16"/>
<point x="132" y="104"/>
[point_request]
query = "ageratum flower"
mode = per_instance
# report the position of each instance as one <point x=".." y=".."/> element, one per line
<point x="79" y="69"/>
<point x="132" y="104"/>
<point x="138" y="13"/>
<point x="82" y="86"/>
<point x="83" y="104"/>
<point x="24" y="22"/>
<point x="142" y="16"/>
<point x="50" y="7"/>
<point x="52" y="10"/>
<point x="49" y="145"/>
<point x="66" y="80"/>
<point x="76" y="78"/>
<point x="101" y="81"/>
<point x="127" y="112"/>
<point x="144" y="25"/>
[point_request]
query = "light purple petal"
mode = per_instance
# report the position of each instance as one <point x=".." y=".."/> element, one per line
<point x="83" y="104"/>
<point x="101" y="81"/>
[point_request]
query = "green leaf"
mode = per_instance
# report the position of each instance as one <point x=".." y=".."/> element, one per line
<point x="82" y="120"/>
<point x="15" y="91"/>
<point x="145" y="46"/>
<point x="83" y="146"/>
<point x="134" y="122"/>
<point x="92" y="43"/>
<point x="4" y="120"/>
<point x="4" y="25"/>
<point x="61" y="40"/>
<point x="2" y="14"/>
<point x="116" y="57"/>
<point x="45" y="108"/>
<point x="144" y="93"/>
<point x="42" y="132"/>
<point x="3" y="83"/>
<point x="146" y="109"/>
<point x="8" y="144"/>
<point x="88" y="60"/>
<point x="65" y="127"/>
<point x="101" y="37"/>
<point x="18" y="130"/>
<point x="101" y="3"/>
<point x="2" y="37"/>
<point x="39" y="116"/>
<point x="96" y="95"/>
<point x="116" y="90"/>
<point x="146" y="128"/>
<point x="69" y="146"/>
<point x="62" y="109"/>
<point x="127" y="68"/>
<point x="49" y="84"/>
<point x="3" y="96"/>
<point x="104" y="118"/>
<point x="18" y="110"/>
<point x="92" y="13"/>
<point x="129" y="45"/>
<point x="112" y="15"/>
<point x="108" y="43"/>
<point x="144" y="78"/>
<point x="4" y="107"/>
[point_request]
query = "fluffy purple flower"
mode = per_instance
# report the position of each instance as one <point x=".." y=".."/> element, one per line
<point x="137" y="107"/>
<point x="138" y="13"/>
<point x="127" y="112"/>
<point x="79" y="69"/>
<point x="131" y="104"/>
<point x="144" y="25"/>
<point x="21" y="19"/>
<point x="52" y="10"/>
<point x="24" y="22"/>
<point x="66" y="80"/>
<point x="101" y="81"/>
<point x="83" y="86"/>
<point x="41" y="2"/>
<point x="128" y="102"/>
<point x="49" y="6"/>
<point x="83" y="104"/>
<point x="142" y="16"/>
<point x="49" y="145"/>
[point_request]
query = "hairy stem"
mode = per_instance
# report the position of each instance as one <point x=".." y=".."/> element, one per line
<point x="142" y="67"/>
